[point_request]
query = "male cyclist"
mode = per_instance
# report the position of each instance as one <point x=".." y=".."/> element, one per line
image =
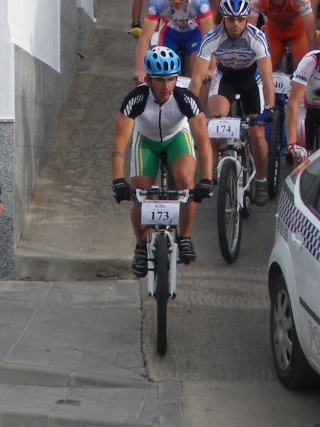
<point x="242" y="65"/>
<point x="305" y="87"/>
<point x="288" y="21"/>
<point x="136" y="27"/>
<point x="164" y="118"/>
<point x="182" y="23"/>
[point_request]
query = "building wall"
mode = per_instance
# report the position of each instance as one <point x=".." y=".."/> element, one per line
<point x="39" y="77"/>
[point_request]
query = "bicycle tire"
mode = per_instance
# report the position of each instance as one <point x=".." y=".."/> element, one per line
<point x="274" y="144"/>
<point x="247" y="172"/>
<point x="162" y="292"/>
<point x="229" y="217"/>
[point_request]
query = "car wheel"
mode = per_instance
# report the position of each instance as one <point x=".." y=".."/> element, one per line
<point x="290" y="363"/>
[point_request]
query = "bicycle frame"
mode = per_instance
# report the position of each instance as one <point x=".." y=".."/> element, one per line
<point x="238" y="145"/>
<point x="159" y="228"/>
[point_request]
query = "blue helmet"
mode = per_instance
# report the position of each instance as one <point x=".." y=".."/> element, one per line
<point x="162" y="61"/>
<point x="235" y="8"/>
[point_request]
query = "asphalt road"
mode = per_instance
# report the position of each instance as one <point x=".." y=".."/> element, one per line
<point x="219" y="342"/>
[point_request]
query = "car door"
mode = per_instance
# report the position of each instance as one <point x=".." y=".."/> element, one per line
<point x="304" y="245"/>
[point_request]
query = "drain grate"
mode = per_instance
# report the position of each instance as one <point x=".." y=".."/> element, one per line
<point x="68" y="402"/>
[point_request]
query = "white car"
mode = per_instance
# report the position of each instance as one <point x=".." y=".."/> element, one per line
<point x="294" y="279"/>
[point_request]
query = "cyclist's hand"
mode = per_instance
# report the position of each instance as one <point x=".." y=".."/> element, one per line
<point x="135" y="30"/>
<point x="122" y="189"/>
<point x="139" y="77"/>
<point x="203" y="190"/>
<point x="297" y="151"/>
<point x="265" y="117"/>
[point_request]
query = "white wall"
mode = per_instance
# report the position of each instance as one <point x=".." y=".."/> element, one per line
<point x="35" y="27"/>
<point x="87" y="5"/>
<point x="6" y="66"/>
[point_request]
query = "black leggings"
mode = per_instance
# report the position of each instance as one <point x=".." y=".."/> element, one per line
<point x="311" y="122"/>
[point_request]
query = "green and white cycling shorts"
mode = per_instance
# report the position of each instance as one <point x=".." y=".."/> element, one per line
<point x="145" y="153"/>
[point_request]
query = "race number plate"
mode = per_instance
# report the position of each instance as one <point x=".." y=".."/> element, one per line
<point x="164" y="212"/>
<point x="226" y="127"/>
<point x="281" y="83"/>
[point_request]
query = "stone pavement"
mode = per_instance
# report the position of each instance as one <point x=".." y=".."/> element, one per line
<point x="71" y="356"/>
<point x="71" y="350"/>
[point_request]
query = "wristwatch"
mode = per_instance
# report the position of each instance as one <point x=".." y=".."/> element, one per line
<point x="269" y="107"/>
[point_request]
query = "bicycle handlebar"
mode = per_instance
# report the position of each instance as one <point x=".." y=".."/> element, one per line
<point x="139" y="195"/>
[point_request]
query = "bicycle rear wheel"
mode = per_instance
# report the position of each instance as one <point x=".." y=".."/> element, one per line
<point x="228" y="214"/>
<point x="162" y="291"/>
<point x="274" y="144"/>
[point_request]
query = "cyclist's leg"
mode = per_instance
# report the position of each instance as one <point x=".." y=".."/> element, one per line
<point x="220" y="97"/>
<point x="277" y="45"/>
<point x="169" y="38"/>
<point x="181" y="158"/>
<point x="252" y="101"/>
<point x="311" y="121"/>
<point x="143" y="171"/>
<point x="298" y="45"/>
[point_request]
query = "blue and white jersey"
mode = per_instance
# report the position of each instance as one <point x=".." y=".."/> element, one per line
<point x="181" y="20"/>
<point x="238" y="54"/>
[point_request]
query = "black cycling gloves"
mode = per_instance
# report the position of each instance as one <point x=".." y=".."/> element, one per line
<point x="203" y="190"/>
<point x="122" y="189"/>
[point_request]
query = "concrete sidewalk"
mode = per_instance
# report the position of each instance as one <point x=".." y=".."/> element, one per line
<point x="71" y="356"/>
<point x="74" y="229"/>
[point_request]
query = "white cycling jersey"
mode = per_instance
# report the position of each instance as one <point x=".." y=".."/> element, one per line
<point x="160" y="122"/>
<point x="234" y="55"/>
<point x="308" y="74"/>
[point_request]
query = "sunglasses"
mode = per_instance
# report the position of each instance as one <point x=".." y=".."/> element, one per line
<point x="232" y="19"/>
<point x="163" y="79"/>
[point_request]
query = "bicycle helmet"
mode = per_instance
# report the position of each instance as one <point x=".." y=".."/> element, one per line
<point x="235" y="8"/>
<point x="161" y="61"/>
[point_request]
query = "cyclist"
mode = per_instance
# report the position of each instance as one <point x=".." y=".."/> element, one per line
<point x="136" y="27"/>
<point x="182" y="22"/>
<point x="164" y="118"/>
<point x="305" y="87"/>
<point x="288" y="21"/>
<point x="239" y="51"/>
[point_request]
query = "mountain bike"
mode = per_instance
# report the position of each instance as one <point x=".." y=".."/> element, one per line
<point x="161" y="214"/>
<point x="236" y="173"/>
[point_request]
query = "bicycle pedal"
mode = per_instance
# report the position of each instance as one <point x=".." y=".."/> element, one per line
<point x="248" y="194"/>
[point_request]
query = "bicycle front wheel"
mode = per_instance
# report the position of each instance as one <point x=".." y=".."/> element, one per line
<point x="162" y="291"/>
<point x="274" y="144"/>
<point x="228" y="213"/>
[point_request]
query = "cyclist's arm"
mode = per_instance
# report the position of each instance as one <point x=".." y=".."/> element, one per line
<point x="309" y="26"/>
<point x="265" y="71"/>
<point x="296" y="96"/>
<point x="206" y="24"/>
<point x="122" y="134"/>
<point x="252" y="19"/>
<point x="200" y="72"/>
<point x="199" y="130"/>
<point x="149" y="27"/>
<point x="136" y="10"/>
<point x="215" y="12"/>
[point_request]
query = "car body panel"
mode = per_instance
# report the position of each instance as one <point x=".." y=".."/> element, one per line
<point x="296" y="253"/>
